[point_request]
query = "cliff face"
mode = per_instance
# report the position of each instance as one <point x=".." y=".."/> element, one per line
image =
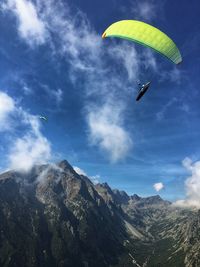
<point x="52" y="216"/>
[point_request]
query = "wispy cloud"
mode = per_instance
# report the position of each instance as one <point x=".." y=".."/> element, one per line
<point x="27" y="90"/>
<point x="185" y="107"/>
<point x="7" y="106"/>
<point x="173" y="75"/>
<point x="32" y="147"/>
<point x="79" y="171"/>
<point x="95" y="179"/>
<point x="131" y="61"/>
<point x="144" y="9"/>
<point x="160" y="115"/>
<point x="58" y="95"/>
<point x="158" y="186"/>
<point x="106" y="131"/>
<point x="150" y="61"/>
<point x="55" y="94"/>
<point x="147" y="9"/>
<point x="83" y="49"/>
<point x="43" y="176"/>
<point x="30" y="26"/>
<point x="192" y="185"/>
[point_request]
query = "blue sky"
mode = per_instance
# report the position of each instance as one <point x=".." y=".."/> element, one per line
<point x="53" y="62"/>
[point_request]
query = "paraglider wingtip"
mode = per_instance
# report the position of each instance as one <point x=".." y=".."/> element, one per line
<point x="103" y="35"/>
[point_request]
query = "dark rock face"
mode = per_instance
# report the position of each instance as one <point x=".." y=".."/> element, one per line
<point x="52" y="216"/>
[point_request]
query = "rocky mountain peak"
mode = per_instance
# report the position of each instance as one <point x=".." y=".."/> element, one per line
<point x="64" y="164"/>
<point x="121" y="196"/>
<point x="59" y="218"/>
<point x="135" y="197"/>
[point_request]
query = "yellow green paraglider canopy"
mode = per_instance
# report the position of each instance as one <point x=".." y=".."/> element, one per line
<point x="146" y="35"/>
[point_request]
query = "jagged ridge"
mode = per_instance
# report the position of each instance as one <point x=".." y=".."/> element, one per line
<point x="51" y="216"/>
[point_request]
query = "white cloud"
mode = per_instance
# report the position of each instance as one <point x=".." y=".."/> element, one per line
<point x="150" y="60"/>
<point x="29" y="150"/>
<point x="146" y="10"/>
<point x="45" y="176"/>
<point x="95" y="179"/>
<point x="107" y="132"/>
<point x="79" y="171"/>
<point x="185" y="107"/>
<point x="58" y="95"/>
<point x="160" y="115"/>
<point x="27" y="90"/>
<point x="7" y="106"/>
<point x="173" y="75"/>
<point x="192" y="185"/>
<point x="31" y="28"/>
<point x="130" y="61"/>
<point x="158" y="186"/>
<point x="55" y="94"/>
<point x="32" y="147"/>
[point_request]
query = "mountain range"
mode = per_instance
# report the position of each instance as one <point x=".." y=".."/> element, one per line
<point x="52" y="216"/>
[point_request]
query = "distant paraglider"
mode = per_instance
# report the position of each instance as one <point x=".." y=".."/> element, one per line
<point x="146" y="35"/>
<point x="43" y="118"/>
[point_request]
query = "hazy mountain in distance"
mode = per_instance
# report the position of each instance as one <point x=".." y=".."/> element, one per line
<point x="51" y="216"/>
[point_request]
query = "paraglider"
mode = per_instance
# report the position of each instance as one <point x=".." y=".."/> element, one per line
<point x="43" y="118"/>
<point x="142" y="90"/>
<point x="146" y="35"/>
